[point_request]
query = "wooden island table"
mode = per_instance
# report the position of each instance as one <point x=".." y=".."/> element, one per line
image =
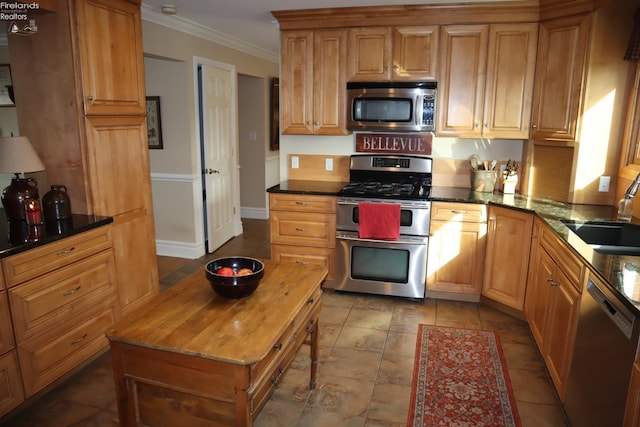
<point x="193" y="358"/>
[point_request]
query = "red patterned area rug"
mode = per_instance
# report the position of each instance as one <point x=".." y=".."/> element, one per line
<point x="460" y="379"/>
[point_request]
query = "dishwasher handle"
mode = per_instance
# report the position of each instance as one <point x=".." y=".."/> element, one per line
<point x="622" y="318"/>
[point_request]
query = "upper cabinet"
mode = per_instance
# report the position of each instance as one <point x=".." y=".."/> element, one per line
<point x="313" y="82"/>
<point x="393" y="53"/>
<point x="486" y="80"/>
<point x="110" y="37"/>
<point x="560" y="68"/>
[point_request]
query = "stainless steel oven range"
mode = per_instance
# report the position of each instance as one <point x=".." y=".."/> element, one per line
<point x="385" y="267"/>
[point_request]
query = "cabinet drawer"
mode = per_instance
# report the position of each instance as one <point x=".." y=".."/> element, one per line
<point x="45" y="359"/>
<point x="58" y="297"/>
<point x="566" y="260"/>
<point x="312" y="306"/>
<point x="305" y="255"/>
<point x="41" y="260"/>
<point x="311" y="229"/>
<point x="301" y="203"/>
<point x="11" y="392"/>
<point x="273" y="357"/>
<point x="459" y="212"/>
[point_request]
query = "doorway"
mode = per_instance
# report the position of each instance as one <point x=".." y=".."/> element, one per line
<point x="217" y="131"/>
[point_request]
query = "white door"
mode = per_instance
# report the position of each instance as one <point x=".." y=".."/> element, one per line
<point x="219" y="136"/>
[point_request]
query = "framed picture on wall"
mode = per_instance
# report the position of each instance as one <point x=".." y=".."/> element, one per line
<point x="275" y="114"/>
<point x="154" y="128"/>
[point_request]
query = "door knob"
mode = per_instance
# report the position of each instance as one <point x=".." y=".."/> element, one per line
<point x="209" y="171"/>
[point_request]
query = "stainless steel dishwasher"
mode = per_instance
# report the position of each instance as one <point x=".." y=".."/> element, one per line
<point x="604" y="352"/>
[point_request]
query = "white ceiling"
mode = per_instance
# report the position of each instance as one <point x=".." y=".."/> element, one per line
<point x="250" y="21"/>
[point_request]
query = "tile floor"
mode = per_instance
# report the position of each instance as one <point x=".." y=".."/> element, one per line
<point x="366" y="361"/>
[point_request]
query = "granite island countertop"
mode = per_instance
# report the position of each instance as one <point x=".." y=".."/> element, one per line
<point x="614" y="269"/>
<point x="14" y="240"/>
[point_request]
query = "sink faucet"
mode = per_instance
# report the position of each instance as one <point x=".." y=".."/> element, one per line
<point x="625" y="207"/>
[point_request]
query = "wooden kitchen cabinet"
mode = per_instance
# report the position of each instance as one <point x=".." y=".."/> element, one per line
<point x="313" y="82"/>
<point x="393" y="53"/>
<point x="632" y="410"/>
<point x="553" y="294"/>
<point x="111" y="76"/>
<point x="486" y="80"/>
<point x="507" y="257"/>
<point x="560" y="67"/>
<point x="456" y="258"/>
<point x="93" y="107"/>
<point x="303" y="229"/>
<point x="11" y="389"/>
<point x="63" y="297"/>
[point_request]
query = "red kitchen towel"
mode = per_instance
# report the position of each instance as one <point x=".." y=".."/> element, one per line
<point x="378" y="221"/>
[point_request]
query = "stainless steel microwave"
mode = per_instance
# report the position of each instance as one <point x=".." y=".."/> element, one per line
<point x="391" y="106"/>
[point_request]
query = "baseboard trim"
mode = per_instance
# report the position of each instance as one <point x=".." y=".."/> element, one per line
<point x="254" y="213"/>
<point x="179" y="249"/>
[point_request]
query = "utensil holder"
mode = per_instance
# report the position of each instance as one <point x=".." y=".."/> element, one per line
<point x="509" y="184"/>
<point x="483" y="181"/>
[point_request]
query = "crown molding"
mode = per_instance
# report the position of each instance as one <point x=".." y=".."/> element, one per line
<point x="189" y="27"/>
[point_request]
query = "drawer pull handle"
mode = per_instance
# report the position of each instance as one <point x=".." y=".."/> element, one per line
<point x="549" y="279"/>
<point x="311" y="326"/>
<point x="277" y="345"/>
<point x="455" y="211"/>
<point x="302" y="203"/>
<point x="276" y="378"/>
<point x="310" y="301"/>
<point x="79" y="340"/>
<point x="71" y="292"/>
<point x="304" y="230"/>
<point x="66" y="251"/>
<point x="302" y="262"/>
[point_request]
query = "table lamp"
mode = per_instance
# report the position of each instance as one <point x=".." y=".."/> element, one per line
<point x="18" y="156"/>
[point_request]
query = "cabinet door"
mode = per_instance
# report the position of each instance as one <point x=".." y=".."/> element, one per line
<point x="110" y="39"/>
<point x="539" y="294"/>
<point x="558" y="81"/>
<point x="329" y="82"/>
<point x="559" y="338"/>
<point x="11" y="391"/>
<point x="296" y="83"/>
<point x="415" y="53"/>
<point x="456" y="257"/>
<point x="463" y="60"/>
<point x="121" y="188"/>
<point x="369" y="54"/>
<point x="507" y="262"/>
<point x="509" y="85"/>
<point x="632" y="411"/>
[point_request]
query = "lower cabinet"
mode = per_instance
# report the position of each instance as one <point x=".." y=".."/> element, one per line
<point x="553" y="295"/>
<point x="303" y="229"/>
<point x="456" y="250"/>
<point x="632" y="412"/>
<point x="62" y="298"/>
<point x="507" y="258"/>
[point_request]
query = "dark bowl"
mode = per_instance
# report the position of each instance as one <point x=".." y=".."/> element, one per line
<point x="235" y="286"/>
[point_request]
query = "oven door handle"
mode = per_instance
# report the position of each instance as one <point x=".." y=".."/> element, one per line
<point x="406" y="241"/>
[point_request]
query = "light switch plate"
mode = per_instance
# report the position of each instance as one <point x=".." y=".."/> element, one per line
<point x="603" y="186"/>
<point x="328" y="164"/>
<point x="295" y="162"/>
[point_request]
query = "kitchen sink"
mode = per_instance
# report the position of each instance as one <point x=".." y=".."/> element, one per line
<point x="616" y="238"/>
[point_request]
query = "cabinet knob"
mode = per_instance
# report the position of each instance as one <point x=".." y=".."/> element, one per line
<point x="396" y="68"/>
<point x="90" y="98"/>
<point x="316" y="123"/>
<point x="534" y="126"/>
<point x="386" y="68"/>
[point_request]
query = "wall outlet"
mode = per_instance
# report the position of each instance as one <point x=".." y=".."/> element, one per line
<point x="328" y="164"/>
<point x="295" y="162"/>
<point x="603" y="186"/>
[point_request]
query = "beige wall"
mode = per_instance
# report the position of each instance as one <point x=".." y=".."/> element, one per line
<point x="170" y="56"/>
<point x="8" y="119"/>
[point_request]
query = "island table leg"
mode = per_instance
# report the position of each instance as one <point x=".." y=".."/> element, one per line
<point x="313" y="335"/>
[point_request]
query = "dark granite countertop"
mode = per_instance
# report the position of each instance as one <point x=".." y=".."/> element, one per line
<point x="612" y="268"/>
<point x="13" y="240"/>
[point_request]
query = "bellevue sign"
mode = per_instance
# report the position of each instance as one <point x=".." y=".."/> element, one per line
<point x="408" y="143"/>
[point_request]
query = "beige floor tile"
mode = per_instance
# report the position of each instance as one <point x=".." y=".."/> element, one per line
<point x="317" y="417"/>
<point x="396" y="369"/>
<point x="361" y="339"/>
<point x="348" y="363"/>
<point x="334" y="314"/>
<point x="390" y="402"/>
<point x="539" y="415"/>
<point x="348" y="396"/>
<point x="532" y="386"/>
<point x="401" y="342"/>
<point x="366" y="318"/>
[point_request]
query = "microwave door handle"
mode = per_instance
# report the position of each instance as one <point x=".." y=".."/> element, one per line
<point x="417" y="119"/>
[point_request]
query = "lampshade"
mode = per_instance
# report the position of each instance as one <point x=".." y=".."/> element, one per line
<point x="17" y="155"/>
